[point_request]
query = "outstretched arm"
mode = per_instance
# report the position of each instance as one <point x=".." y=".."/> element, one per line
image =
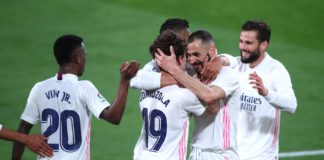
<point x="149" y="78"/>
<point x="115" y="112"/>
<point x="35" y="143"/>
<point x="19" y="147"/>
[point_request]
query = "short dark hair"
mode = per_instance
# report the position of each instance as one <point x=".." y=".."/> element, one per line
<point x="202" y="35"/>
<point x="264" y="31"/>
<point x="174" y="24"/>
<point x="165" y="40"/>
<point x="64" y="46"/>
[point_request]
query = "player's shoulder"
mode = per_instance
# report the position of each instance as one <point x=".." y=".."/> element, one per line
<point x="227" y="69"/>
<point x="233" y="61"/>
<point x="150" y="66"/>
<point x="86" y="84"/>
<point x="227" y="79"/>
<point x="172" y="88"/>
<point x="278" y="64"/>
<point x="187" y="98"/>
<point x="43" y="83"/>
<point x="227" y="72"/>
<point x="175" y="91"/>
<point x="86" y="87"/>
<point x="275" y="64"/>
<point x="184" y="93"/>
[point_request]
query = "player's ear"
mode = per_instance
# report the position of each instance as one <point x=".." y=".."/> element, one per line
<point x="77" y="57"/>
<point x="179" y="60"/>
<point x="213" y="50"/>
<point x="264" y="45"/>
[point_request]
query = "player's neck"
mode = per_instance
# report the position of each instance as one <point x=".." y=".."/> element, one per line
<point x="258" y="61"/>
<point x="67" y="69"/>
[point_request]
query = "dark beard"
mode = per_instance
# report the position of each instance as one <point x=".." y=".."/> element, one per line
<point x="253" y="56"/>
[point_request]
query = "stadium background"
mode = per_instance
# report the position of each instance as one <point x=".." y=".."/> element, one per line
<point x="119" y="30"/>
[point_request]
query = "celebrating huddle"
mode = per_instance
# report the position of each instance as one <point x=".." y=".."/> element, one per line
<point x="235" y="101"/>
<point x="242" y="97"/>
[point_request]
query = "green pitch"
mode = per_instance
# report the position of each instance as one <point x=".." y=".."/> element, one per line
<point x="120" y="30"/>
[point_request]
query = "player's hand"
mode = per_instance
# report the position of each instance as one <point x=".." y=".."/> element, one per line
<point x="129" y="69"/>
<point x="168" y="63"/>
<point x="257" y="83"/>
<point x="211" y="70"/>
<point x="37" y="144"/>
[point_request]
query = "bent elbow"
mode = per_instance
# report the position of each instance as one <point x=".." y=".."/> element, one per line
<point x="112" y="120"/>
<point x="212" y="110"/>
<point x="292" y="107"/>
<point x="290" y="110"/>
<point x="133" y="83"/>
<point x="209" y="99"/>
<point x="115" y="122"/>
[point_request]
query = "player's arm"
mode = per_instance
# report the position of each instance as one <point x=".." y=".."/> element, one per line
<point x="229" y="60"/>
<point x="114" y="113"/>
<point x="19" y="147"/>
<point x="212" y="68"/>
<point x="193" y="105"/>
<point x="213" y="108"/>
<point x="35" y="143"/>
<point x="148" y="79"/>
<point x="283" y="95"/>
<point x="209" y="95"/>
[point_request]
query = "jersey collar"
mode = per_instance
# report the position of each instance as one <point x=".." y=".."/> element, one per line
<point x="68" y="76"/>
<point x="264" y="62"/>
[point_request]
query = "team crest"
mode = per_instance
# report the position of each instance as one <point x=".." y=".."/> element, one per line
<point x="101" y="97"/>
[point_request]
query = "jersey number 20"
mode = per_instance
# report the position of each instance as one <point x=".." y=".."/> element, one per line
<point x="155" y="127"/>
<point x="74" y="129"/>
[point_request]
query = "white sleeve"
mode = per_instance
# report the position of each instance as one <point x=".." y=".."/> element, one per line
<point x="147" y="78"/>
<point x="234" y="61"/>
<point x="191" y="103"/>
<point x="228" y="80"/>
<point x="31" y="113"/>
<point x="0" y="127"/>
<point x="283" y="95"/>
<point x="95" y="102"/>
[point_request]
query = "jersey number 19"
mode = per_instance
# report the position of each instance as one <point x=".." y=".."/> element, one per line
<point x="155" y="128"/>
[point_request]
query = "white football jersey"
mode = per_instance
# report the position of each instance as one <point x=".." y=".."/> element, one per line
<point x="64" y="108"/>
<point x="147" y="78"/>
<point x="217" y="133"/>
<point x="0" y="127"/>
<point x="165" y="114"/>
<point x="259" y="117"/>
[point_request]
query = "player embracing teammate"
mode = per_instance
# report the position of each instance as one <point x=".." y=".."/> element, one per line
<point x="235" y="102"/>
<point x="246" y="126"/>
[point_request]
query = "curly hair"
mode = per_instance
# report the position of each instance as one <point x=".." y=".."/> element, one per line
<point x="165" y="40"/>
